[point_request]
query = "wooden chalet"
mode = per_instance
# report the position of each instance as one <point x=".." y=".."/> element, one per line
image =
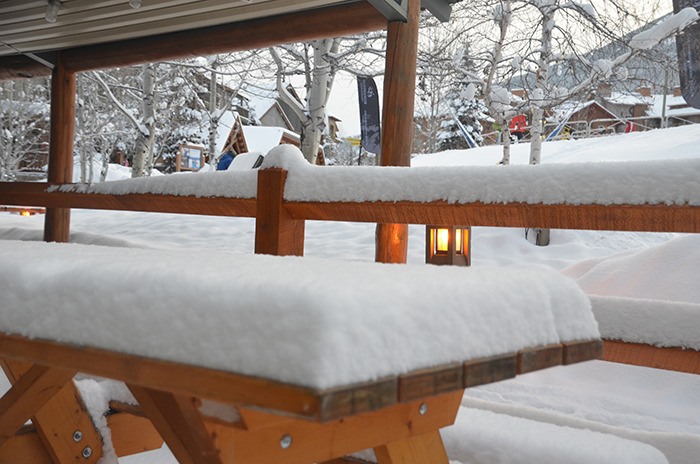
<point x="398" y="417"/>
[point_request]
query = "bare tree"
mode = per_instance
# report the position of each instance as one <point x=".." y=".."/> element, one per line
<point x="24" y="120"/>
<point x="143" y="120"/>
<point x="318" y="62"/>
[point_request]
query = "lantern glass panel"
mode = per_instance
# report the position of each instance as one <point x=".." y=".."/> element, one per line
<point x="442" y="240"/>
<point x="458" y="241"/>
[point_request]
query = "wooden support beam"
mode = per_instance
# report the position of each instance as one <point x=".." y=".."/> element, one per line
<point x="22" y="67"/>
<point x="295" y="441"/>
<point x="179" y="423"/>
<point x="397" y="121"/>
<point x="25" y="448"/>
<point x="672" y="359"/>
<point x="276" y="232"/>
<point x="130" y="435"/>
<point x="59" y="419"/>
<point x="57" y="221"/>
<point x="35" y="194"/>
<point x="28" y="395"/>
<point x="642" y="218"/>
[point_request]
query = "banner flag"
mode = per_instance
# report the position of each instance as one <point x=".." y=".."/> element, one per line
<point x="688" y="48"/>
<point x="369" y="114"/>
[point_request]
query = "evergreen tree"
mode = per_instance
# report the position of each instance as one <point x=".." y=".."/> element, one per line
<point x="469" y="111"/>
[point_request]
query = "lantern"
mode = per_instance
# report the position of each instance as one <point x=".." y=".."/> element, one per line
<point x="448" y="245"/>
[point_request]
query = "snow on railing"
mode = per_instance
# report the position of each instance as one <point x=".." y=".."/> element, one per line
<point x="669" y="182"/>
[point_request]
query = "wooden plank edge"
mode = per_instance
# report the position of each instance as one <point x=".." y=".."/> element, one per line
<point x="358" y="398"/>
<point x="429" y="382"/>
<point x="638" y="354"/>
<point x="489" y="370"/>
<point x="538" y="358"/>
<point x="583" y="350"/>
<point x="168" y="376"/>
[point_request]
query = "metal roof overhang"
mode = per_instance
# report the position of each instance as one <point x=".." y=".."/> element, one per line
<point x="96" y="34"/>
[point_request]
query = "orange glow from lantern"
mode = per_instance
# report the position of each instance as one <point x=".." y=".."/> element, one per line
<point x="25" y="213"/>
<point x="442" y="240"/>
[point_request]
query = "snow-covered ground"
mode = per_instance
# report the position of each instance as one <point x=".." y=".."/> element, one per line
<point x="654" y="407"/>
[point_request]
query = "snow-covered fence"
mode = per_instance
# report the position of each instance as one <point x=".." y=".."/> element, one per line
<point x="652" y="196"/>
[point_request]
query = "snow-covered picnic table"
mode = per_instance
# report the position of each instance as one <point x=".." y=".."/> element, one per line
<point x="321" y="339"/>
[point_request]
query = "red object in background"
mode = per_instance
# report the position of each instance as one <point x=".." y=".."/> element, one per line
<point x="518" y="124"/>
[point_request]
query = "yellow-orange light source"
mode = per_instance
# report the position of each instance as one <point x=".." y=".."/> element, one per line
<point x="25" y="213"/>
<point x="442" y="241"/>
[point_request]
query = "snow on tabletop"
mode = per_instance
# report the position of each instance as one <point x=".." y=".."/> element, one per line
<point x="648" y="182"/>
<point x="650" y="296"/>
<point x="290" y="319"/>
<point x="233" y="184"/>
<point x="651" y="322"/>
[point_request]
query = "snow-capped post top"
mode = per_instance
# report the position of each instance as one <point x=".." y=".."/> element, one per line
<point x="287" y="157"/>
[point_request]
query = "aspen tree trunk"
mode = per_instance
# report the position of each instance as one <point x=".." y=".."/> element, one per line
<point x="505" y="134"/>
<point x="146" y="129"/>
<point x="541" y="237"/>
<point x="541" y="83"/>
<point x="314" y="123"/>
<point x="214" y="116"/>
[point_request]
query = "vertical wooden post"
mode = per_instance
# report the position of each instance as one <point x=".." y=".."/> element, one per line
<point x="397" y="121"/>
<point x="276" y="232"/>
<point x="57" y="222"/>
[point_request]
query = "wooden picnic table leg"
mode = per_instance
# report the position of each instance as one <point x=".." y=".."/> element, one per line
<point x="179" y="423"/>
<point x="62" y="414"/>
<point x="421" y="449"/>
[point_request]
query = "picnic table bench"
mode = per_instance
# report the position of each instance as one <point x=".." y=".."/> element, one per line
<point x="253" y="358"/>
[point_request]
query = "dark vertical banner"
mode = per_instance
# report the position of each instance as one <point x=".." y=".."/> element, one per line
<point x="688" y="48"/>
<point x="371" y="138"/>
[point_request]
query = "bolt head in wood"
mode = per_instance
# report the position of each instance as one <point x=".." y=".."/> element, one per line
<point x="286" y="441"/>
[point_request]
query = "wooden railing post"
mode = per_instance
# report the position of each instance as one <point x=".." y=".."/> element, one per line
<point x="276" y="232"/>
<point x="397" y="121"/>
<point x="57" y="222"/>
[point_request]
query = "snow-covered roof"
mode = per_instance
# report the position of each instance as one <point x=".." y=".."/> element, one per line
<point x="566" y="109"/>
<point x="226" y="122"/>
<point x="263" y="138"/>
<point x="675" y="106"/>
<point x="628" y="99"/>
